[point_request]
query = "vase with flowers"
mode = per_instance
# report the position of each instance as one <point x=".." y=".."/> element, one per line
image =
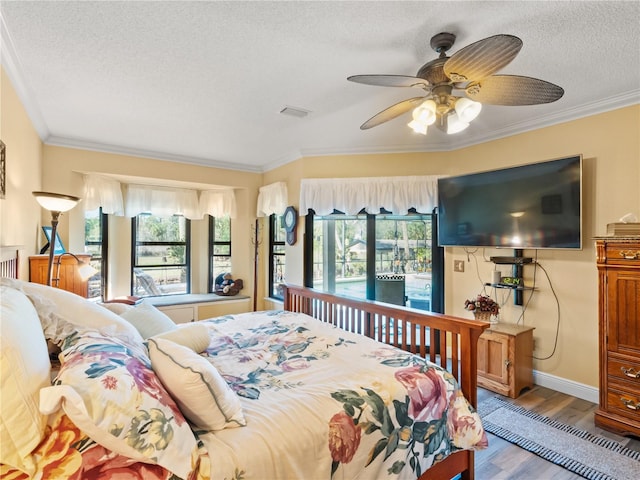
<point x="483" y="308"/>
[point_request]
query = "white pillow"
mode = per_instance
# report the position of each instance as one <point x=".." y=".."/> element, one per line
<point x="24" y="370"/>
<point x="192" y="335"/>
<point x="197" y="387"/>
<point x="117" y="308"/>
<point x="63" y="313"/>
<point x="148" y="320"/>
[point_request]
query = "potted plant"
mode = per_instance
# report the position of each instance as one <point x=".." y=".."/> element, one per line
<point x="483" y="307"/>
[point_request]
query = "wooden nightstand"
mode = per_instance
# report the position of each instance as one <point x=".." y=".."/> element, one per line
<point x="505" y="359"/>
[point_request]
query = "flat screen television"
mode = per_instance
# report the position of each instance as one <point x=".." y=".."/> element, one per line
<point x="530" y="206"/>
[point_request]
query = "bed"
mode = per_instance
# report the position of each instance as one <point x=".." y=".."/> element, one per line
<point x="329" y="387"/>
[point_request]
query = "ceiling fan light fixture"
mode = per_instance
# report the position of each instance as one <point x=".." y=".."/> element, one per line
<point x="473" y="69"/>
<point x="467" y="109"/>
<point x="455" y="125"/>
<point x="425" y="112"/>
<point x="418" y="126"/>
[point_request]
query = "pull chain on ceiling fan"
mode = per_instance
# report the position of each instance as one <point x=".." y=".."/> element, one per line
<point x="457" y="86"/>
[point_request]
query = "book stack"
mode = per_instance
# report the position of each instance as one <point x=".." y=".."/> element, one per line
<point x="623" y="229"/>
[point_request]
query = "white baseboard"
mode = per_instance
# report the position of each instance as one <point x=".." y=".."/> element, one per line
<point x="580" y="390"/>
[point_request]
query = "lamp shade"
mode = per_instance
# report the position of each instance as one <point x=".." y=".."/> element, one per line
<point x="86" y="271"/>
<point x="467" y="109"/>
<point x="418" y="126"/>
<point x="56" y="202"/>
<point x="454" y="124"/>
<point x="426" y="112"/>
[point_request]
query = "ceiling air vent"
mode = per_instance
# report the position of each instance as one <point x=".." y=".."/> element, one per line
<point x="295" y="112"/>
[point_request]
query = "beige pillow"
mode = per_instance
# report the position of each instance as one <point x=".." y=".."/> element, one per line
<point x="148" y="320"/>
<point x="64" y="313"/>
<point x="192" y="335"/>
<point x="204" y="397"/>
<point x="25" y="369"/>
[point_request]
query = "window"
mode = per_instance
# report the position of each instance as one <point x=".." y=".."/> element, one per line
<point x="219" y="248"/>
<point x="160" y="255"/>
<point x="382" y="257"/>
<point x="96" y="228"/>
<point x="277" y="237"/>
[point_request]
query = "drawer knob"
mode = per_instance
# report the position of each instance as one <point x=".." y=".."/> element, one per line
<point x="507" y="363"/>
<point x="630" y="255"/>
<point x="630" y="404"/>
<point x="630" y="372"/>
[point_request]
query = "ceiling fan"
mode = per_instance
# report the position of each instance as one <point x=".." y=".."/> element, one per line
<point x="457" y="86"/>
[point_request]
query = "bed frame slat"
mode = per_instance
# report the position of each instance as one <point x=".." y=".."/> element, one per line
<point x="9" y="261"/>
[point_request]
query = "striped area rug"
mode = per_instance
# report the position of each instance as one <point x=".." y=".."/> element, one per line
<point x="590" y="456"/>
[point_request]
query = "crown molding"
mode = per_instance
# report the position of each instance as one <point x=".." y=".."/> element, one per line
<point x="12" y="66"/>
<point x="594" y="108"/>
<point x="601" y="106"/>
<point x="143" y="153"/>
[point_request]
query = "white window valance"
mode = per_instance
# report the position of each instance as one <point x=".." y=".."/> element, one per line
<point x="351" y="195"/>
<point x="272" y="199"/>
<point x="102" y="192"/>
<point x="162" y="201"/>
<point x="106" y="192"/>
<point x="218" y="203"/>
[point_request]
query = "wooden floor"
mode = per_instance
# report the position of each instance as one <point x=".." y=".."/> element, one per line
<point x="503" y="460"/>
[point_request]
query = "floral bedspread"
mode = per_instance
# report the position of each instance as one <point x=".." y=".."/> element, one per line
<point x="324" y="403"/>
<point x="68" y="453"/>
<point x="320" y="403"/>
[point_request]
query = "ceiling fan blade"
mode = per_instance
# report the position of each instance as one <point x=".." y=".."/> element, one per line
<point x="389" y="80"/>
<point x="392" y="112"/>
<point x="482" y="58"/>
<point x="513" y="90"/>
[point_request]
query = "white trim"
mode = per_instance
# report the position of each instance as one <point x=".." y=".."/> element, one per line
<point x="9" y="59"/>
<point x="569" y="387"/>
<point x="67" y="142"/>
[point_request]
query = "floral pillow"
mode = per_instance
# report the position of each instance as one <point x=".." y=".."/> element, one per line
<point x="111" y="393"/>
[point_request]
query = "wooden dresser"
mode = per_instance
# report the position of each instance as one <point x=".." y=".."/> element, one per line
<point x="618" y="260"/>
<point x="70" y="279"/>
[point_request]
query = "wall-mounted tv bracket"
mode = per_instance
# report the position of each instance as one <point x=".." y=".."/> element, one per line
<point x="517" y="261"/>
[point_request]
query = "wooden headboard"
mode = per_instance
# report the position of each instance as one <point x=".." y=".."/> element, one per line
<point x="9" y="261"/>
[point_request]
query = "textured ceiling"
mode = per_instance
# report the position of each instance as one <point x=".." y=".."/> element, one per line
<point x="204" y="82"/>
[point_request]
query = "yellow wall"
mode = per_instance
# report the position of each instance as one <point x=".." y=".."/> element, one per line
<point x="610" y="146"/>
<point x="19" y="211"/>
<point x="63" y="170"/>
<point x="609" y="143"/>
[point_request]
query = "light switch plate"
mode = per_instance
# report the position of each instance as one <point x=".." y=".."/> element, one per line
<point x="458" y="265"/>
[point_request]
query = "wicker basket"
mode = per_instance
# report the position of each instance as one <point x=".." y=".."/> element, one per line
<point x="482" y="316"/>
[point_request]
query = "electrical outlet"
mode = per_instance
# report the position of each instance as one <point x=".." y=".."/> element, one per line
<point x="458" y="265"/>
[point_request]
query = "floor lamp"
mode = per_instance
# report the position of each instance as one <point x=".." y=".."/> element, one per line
<point x="56" y="203"/>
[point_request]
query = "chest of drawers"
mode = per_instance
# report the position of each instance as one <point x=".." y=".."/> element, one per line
<point x="618" y="260"/>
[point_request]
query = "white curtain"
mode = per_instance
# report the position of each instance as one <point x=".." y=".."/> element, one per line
<point x="272" y="198"/>
<point x="218" y="203"/>
<point x="102" y="192"/>
<point x="162" y="201"/>
<point x="350" y="195"/>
